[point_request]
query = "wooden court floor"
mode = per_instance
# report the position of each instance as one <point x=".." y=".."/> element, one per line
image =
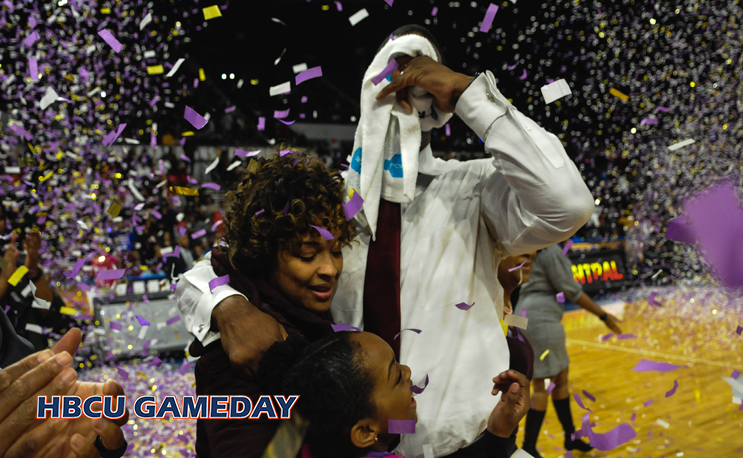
<point x="701" y="417"/>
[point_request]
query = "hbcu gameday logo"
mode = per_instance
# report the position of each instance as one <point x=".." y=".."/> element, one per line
<point x="191" y="407"/>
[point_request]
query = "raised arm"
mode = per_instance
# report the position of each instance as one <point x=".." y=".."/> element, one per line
<point x="536" y="197"/>
<point x="246" y="332"/>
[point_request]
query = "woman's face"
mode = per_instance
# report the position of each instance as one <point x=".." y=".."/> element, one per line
<point x="518" y="276"/>
<point x="307" y="274"/>
<point x="392" y="395"/>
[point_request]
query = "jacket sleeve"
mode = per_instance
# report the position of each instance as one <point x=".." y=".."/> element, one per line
<point x="535" y="197"/>
<point x="196" y="301"/>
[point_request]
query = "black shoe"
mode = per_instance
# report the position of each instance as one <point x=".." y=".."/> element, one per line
<point x="577" y="444"/>
<point x="532" y="451"/>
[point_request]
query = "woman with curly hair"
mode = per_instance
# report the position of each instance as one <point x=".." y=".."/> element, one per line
<point x="283" y="231"/>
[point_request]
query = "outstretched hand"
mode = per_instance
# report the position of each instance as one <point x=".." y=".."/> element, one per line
<point x="612" y="323"/>
<point x="444" y="84"/>
<point x="513" y="405"/>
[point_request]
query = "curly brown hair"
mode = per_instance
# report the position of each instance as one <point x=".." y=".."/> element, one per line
<point x="275" y="203"/>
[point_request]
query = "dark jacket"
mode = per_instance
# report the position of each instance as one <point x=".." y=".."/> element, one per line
<point x="245" y="438"/>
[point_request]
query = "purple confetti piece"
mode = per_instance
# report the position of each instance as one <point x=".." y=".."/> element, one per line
<point x="648" y="121"/>
<point x="115" y="326"/>
<point x="111" y="137"/>
<point x="434" y="11"/>
<point x="568" y="454"/>
<point x="391" y="67"/>
<point x="84" y="287"/>
<point x="579" y="401"/>
<point x="648" y="403"/>
<point x="523" y="75"/>
<point x="634" y="417"/>
<point x="626" y="336"/>
<point x="389" y="2"/>
<point x="339" y="6"/>
<point x="260" y="211"/>
<point x="145" y="298"/>
<point x="142" y="321"/>
<point x="417" y="389"/>
<point x="646" y="366"/>
<point x="417" y="331"/>
<point x="33" y="69"/>
<point x="517" y="267"/>
<point x="679" y="231"/>
<point x="718" y="218"/>
<point x="215" y="283"/>
<point x="663" y="109"/>
<point x="353" y="206"/>
<point x="551" y="387"/>
<point x="344" y="327"/>
<point x="173" y="320"/>
<point x="242" y="153"/>
<point x="735" y="374"/>
<point x="286" y="208"/>
<point x="146" y="346"/>
<point x="560" y="297"/>
<point x="111" y="40"/>
<point x="464" y="306"/>
<point x="157" y="362"/>
<point x="589" y="396"/>
<point x="651" y="300"/>
<point x="123" y="374"/>
<point x="448" y="130"/>
<point x="261" y="123"/>
<point x="213" y="186"/>
<point x="739" y="331"/>
<point x="75" y="270"/>
<point x="281" y="114"/>
<point x="611" y="439"/>
<point x="18" y="130"/>
<point x="401" y="426"/>
<point x="304" y="99"/>
<point x="488" y="19"/>
<point x="324" y="233"/>
<point x="230" y="109"/>
<point x="285" y="152"/>
<point x="310" y="73"/>
<point x="672" y="391"/>
<point x="567" y="246"/>
<point x="110" y="274"/>
<point x="194" y="118"/>
<point x="607" y="337"/>
<point x="215" y="225"/>
<point x="287" y="123"/>
<point x="7" y="308"/>
<point x="198" y="234"/>
<point x="31" y="39"/>
<point x="523" y="312"/>
<point x="156" y="214"/>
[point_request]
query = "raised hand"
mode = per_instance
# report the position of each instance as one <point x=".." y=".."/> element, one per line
<point x="513" y="405"/>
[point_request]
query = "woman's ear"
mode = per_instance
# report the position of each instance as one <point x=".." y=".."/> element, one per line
<point x="364" y="433"/>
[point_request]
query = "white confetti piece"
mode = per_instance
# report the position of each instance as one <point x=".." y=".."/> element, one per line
<point x="175" y="67"/>
<point x="681" y="144"/>
<point x="516" y="321"/>
<point x="49" y="98"/>
<point x="142" y="332"/>
<point x="146" y="20"/>
<point x="149" y="54"/>
<point x="359" y="16"/>
<point x="282" y="88"/>
<point x="299" y="68"/>
<point x="234" y="165"/>
<point x="212" y="166"/>
<point x="662" y="423"/>
<point x="556" y="90"/>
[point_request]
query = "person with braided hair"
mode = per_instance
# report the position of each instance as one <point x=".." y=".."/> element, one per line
<point x="281" y="251"/>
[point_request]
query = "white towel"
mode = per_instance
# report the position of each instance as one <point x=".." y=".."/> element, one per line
<point x="386" y="147"/>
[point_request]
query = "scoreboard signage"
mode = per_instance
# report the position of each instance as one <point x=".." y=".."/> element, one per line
<point x="599" y="271"/>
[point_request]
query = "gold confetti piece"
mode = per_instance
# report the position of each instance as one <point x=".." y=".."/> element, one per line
<point x="184" y="191"/>
<point x="17" y="275"/>
<point x="504" y="326"/>
<point x="46" y="177"/>
<point x="67" y="311"/>
<point x="616" y="93"/>
<point x="187" y="134"/>
<point x="210" y="12"/>
<point x="544" y="355"/>
<point x="105" y="10"/>
<point x="155" y="70"/>
<point x="253" y="166"/>
<point x="202" y="76"/>
<point x="114" y="209"/>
